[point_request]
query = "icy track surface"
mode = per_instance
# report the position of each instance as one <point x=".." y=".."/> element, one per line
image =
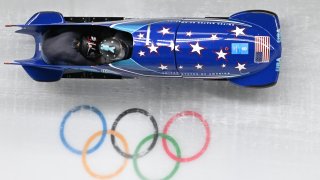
<point x="254" y="134"/>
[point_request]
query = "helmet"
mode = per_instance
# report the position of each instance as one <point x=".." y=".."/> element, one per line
<point x="88" y="47"/>
<point x="113" y="49"/>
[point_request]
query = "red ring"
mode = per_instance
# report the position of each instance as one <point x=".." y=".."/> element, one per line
<point x="203" y="149"/>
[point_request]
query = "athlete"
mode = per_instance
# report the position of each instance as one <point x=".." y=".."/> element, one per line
<point x="74" y="48"/>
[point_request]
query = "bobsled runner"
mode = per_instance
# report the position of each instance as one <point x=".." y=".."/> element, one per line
<point x="244" y="48"/>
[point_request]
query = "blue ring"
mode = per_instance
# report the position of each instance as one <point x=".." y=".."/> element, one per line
<point x="66" y="117"/>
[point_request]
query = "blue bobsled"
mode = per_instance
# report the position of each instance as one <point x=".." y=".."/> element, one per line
<point x="244" y="48"/>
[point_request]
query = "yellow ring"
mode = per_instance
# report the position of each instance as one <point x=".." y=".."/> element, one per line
<point x="87" y="145"/>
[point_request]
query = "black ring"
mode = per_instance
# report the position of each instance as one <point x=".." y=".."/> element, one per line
<point x="155" y="138"/>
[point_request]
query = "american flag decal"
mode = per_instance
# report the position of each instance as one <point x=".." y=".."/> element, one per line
<point x="262" y="49"/>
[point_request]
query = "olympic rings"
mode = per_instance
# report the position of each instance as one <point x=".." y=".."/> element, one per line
<point x="204" y="148"/>
<point x="164" y="136"/>
<point x="66" y="117"/>
<point x="85" y="149"/>
<point x="155" y="137"/>
<point x="137" y="154"/>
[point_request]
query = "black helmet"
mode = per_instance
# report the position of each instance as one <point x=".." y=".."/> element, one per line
<point x="113" y="49"/>
<point x="88" y="47"/>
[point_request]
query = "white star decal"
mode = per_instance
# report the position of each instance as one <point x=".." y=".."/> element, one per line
<point x="189" y="34"/>
<point x="164" y="31"/>
<point x="221" y="54"/>
<point x="240" y="66"/>
<point x="173" y="47"/>
<point x="239" y="31"/>
<point x="162" y="67"/>
<point x="141" y="36"/>
<point x="214" y="37"/>
<point x="196" y="48"/>
<point x="141" y="53"/>
<point x="153" y="48"/>
<point x="176" y="48"/>
<point x="199" y="66"/>
<point x="223" y="65"/>
<point x="180" y="67"/>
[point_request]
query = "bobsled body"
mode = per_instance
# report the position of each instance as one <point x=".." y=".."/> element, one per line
<point x="244" y="48"/>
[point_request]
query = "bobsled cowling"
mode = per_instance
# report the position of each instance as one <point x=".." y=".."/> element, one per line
<point x="244" y="48"/>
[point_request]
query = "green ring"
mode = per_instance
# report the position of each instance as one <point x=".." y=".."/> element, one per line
<point x="148" y="138"/>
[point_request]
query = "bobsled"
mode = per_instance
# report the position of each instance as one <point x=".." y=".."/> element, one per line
<point x="244" y="48"/>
